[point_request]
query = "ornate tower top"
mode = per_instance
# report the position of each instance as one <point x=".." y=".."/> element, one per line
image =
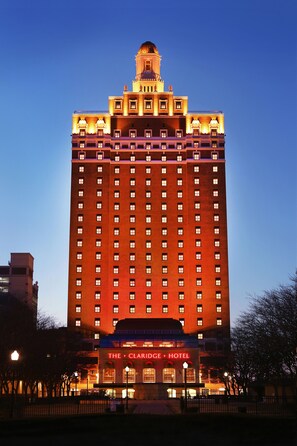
<point x="148" y="77"/>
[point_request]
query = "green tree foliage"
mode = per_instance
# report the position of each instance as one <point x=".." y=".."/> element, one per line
<point x="264" y="339"/>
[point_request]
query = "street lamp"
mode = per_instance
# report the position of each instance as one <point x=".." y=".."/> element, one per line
<point x="127" y="369"/>
<point x="185" y="366"/>
<point x="76" y="381"/>
<point x="14" y="358"/>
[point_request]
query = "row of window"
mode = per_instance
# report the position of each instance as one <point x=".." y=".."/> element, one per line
<point x="132" y="308"/>
<point x="148" y="282"/>
<point x="148" y="375"/>
<point x="147" y="103"/>
<point x="148" y="269"/>
<point x="97" y="321"/>
<point x="149" y="244"/>
<point x="148" y="295"/>
<point x="148" y="158"/>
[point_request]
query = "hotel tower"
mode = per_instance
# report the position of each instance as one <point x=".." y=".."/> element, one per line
<point x="148" y="226"/>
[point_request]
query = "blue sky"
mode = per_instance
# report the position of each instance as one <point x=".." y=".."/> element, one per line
<point x="236" y="56"/>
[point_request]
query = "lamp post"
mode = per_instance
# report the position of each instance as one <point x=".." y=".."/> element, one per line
<point x="127" y="369"/>
<point x="185" y="366"/>
<point x="76" y="380"/>
<point x="14" y="358"/>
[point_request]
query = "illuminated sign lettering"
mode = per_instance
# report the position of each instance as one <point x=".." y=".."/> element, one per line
<point x="149" y="355"/>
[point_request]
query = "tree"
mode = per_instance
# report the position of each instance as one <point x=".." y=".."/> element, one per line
<point x="264" y="338"/>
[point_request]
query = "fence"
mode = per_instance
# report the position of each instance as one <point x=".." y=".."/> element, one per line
<point x="70" y="406"/>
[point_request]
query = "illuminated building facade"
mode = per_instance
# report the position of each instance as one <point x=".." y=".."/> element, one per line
<point x="16" y="279"/>
<point x="148" y="229"/>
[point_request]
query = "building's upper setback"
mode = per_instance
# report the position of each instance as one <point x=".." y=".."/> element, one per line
<point x="148" y="99"/>
<point x="148" y="229"/>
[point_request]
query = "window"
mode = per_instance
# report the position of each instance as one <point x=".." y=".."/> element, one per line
<point x="164" y="182"/>
<point x="79" y="269"/>
<point x="181" y="296"/>
<point x="164" y="308"/>
<point x="218" y="282"/>
<point x="217" y="255"/>
<point x="180" y="256"/>
<point x="115" y="296"/>
<point x="132" y="219"/>
<point x="197" y="193"/>
<point x="199" y="335"/>
<point x="147" y="169"/>
<point x="216" y="217"/>
<point x="148" y="206"/>
<point x="80" y="181"/>
<point x="80" y="193"/>
<point x="199" y="321"/>
<point x="132" y="244"/>
<point x="116" y="244"/>
<point x="78" y="308"/>
<point x="163" y="104"/>
<point x="77" y="322"/>
<point x="163" y="133"/>
<point x="148" y="194"/>
<point x="132" y="309"/>
<point x="132" y="283"/>
<point x="216" y="230"/>
<point x="164" y="219"/>
<point x="217" y="269"/>
<point x="148" y="244"/>
<point x="196" y="155"/>
<point x="199" y="308"/>
<point x="117" y="133"/>
<point x="215" y="193"/>
<point x="164" y="231"/>
<point x="80" y="205"/>
<point x="99" y="205"/>
<point x="98" y="217"/>
<point x="115" y="309"/>
<point x="198" y="242"/>
<point x="214" y="155"/>
<point x="78" y="282"/>
<point x="116" y="257"/>
<point x="217" y="243"/>
<point x="164" y="257"/>
<point x="132" y="296"/>
<point x="164" y="269"/>
<point x="197" y="230"/>
<point x="219" y="308"/>
<point x="132" y="270"/>
<point x="164" y="282"/>
<point x="97" y="322"/>
<point x="179" y="194"/>
<point x="148" y="282"/>
<point x="148" y="269"/>
<point x="147" y="133"/>
<point x="218" y="295"/>
<point x="132" y="194"/>
<point x="180" y="244"/>
<point x="79" y="243"/>
<point x="216" y="205"/>
<point x="196" y="169"/>
<point x="132" y="133"/>
<point x="179" y="218"/>
<point x="180" y="282"/>
<point x="149" y="375"/>
<point x="132" y="231"/>
<point x="148" y="257"/>
<point x="182" y="322"/>
<point x="148" y="296"/>
<point x="164" y="244"/>
<point x="196" y="180"/>
<point x="179" y="206"/>
<point x="132" y="206"/>
<point x="198" y="268"/>
<point x="81" y="169"/>
<point x="97" y="295"/>
<point x="164" y="296"/>
<point x="219" y="321"/>
<point x="179" y="182"/>
<point x="99" y="181"/>
<point x="116" y="270"/>
<point x="78" y="295"/>
<point x="115" y="282"/>
<point x="99" y="193"/>
<point x="148" y="182"/>
<point x="148" y="309"/>
<point x="199" y="295"/>
<point x="97" y="308"/>
<point x="99" y="168"/>
<point x="114" y="322"/>
<point x="180" y="269"/>
<point x="181" y="309"/>
<point x="215" y="181"/>
<point x="197" y="217"/>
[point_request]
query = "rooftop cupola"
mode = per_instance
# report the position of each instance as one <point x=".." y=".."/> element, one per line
<point x="148" y="77"/>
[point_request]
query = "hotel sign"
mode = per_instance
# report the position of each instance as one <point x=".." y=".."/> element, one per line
<point x="149" y="355"/>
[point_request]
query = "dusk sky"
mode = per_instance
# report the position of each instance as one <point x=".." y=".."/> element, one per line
<point x="239" y="57"/>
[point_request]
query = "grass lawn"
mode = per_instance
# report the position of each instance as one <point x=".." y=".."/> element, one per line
<point x="144" y="430"/>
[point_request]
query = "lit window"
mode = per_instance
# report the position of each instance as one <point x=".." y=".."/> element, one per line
<point x="148" y="309"/>
<point x="99" y="180"/>
<point x="180" y="256"/>
<point x="198" y="255"/>
<point x="115" y="282"/>
<point x="196" y="180"/>
<point x="97" y="308"/>
<point x="78" y="295"/>
<point x="215" y="168"/>
<point x="196" y="169"/>
<point x="216" y="217"/>
<point x="199" y="321"/>
<point x="180" y="282"/>
<point x="181" y="309"/>
<point x="164" y="219"/>
<point x="97" y="295"/>
<point x="115" y="309"/>
<point x="81" y="169"/>
<point x="78" y="308"/>
<point x="179" y="170"/>
<point x="164" y="296"/>
<point x="99" y="168"/>
<point x="116" y="257"/>
<point x="219" y="321"/>
<point x="148" y="296"/>
<point x="148" y="282"/>
<point x="217" y="243"/>
<point x="79" y="255"/>
<point x="97" y="282"/>
<point x="218" y="295"/>
<point x="214" y="155"/>
<point x="79" y="269"/>
<point x="163" y="133"/>
<point x="215" y="181"/>
<point x="164" y="231"/>
<point x="80" y="205"/>
<point x="116" y="219"/>
<point x="132" y="133"/>
<point x="99" y="205"/>
<point x="198" y="268"/>
<point x="197" y="193"/>
<point x="132" y="309"/>
<point x="219" y="308"/>
<point x="116" y="270"/>
<point x="182" y="322"/>
<point x="117" y="133"/>
<point x="179" y="182"/>
<point x="79" y="230"/>
<point x="164" y="269"/>
<point x="181" y="296"/>
<point x="148" y="194"/>
<point x="99" y="193"/>
<point x="147" y="169"/>
<point x="164" y="282"/>
<point x="199" y="335"/>
<point x="132" y="231"/>
<point x="77" y="322"/>
<point x="164" y="244"/>
<point x="97" y="322"/>
<point x="179" y="158"/>
<point x="217" y="255"/>
<point x="132" y="219"/>
<point x="114" y="322"/>
<point x="116" y="194"/>
<point x="198" y="242"/>
<point x="164" y="308"/>
<point x="197" y="217"/>
<point x="199" y="282"/>
<point x="80" y="193"/>
<point x="132" y="194"/>
<point x="179" y="206"/>
<point x="199" y="295"/>
<point x="148" y="269"/>
<point x="80" y="181"/>
<point x="216" y="205"/>
<point x="179" y="194"/>
<point x="164" y="257"/>
<point x="148" y="133"/>
<point x="218" y="282"/>
<point x="196" y="155"/>
<point x="78" y="282"/>
<point x="132" y="269"/>
<point x="98" y="217"/>
<point x="217" y="269"/>
<point x="132" y="206"/>
<point x="199" y="308"/>
<point x="148" y="244"/>
<point x="132" y="158"/>
<point x="216" y="230"/>
<point x="148" y="182"/>
<point x="215" y="193"/>
<point x="132" y="296"/>
<point x="132" y="244"/>
<point x="115" y="296"/>
<point x="180" y="244"/>
<point x="98" y="230"/>
<point x="148" y="257"/>
<point x="164" y="182"/>
<point x="116" y="244"/>
<point x="164" y="206"/>
<point x="148" y="206"/>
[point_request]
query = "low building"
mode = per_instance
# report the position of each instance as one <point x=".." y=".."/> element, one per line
<point x="149" y="358"/>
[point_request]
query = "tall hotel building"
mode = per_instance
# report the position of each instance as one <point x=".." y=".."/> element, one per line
<point x="148" y="230"/>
